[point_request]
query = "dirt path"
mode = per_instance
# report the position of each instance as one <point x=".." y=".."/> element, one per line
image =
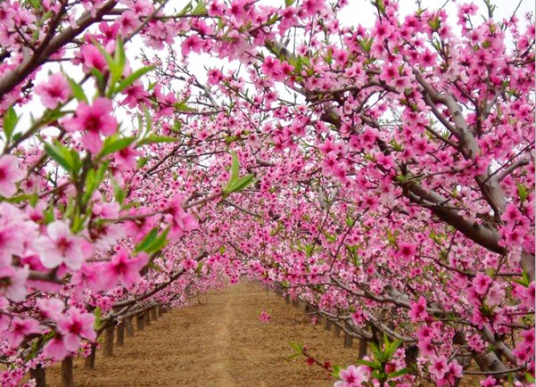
<point x="219" y="344"/>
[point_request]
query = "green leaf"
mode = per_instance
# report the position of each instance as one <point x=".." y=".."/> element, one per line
<point x="200" y="9"/>
<point x="398" y="373"/>
<point x="113" y="144"/>
<point x="154" y="139"/>
<point x="98" y="318"/>
<point x="235" y="167"/>
<point x="288" y="3"/>
<point x="77" y="90"/>
<point x="61" y="155"/>
<point x="119" y="193"/>
<point x="125" y="83"/>
<point x="296" y="347"/>
<point x="10" y="121"/>
<point x="147" y="241"/>
<point x="159" y="243"/>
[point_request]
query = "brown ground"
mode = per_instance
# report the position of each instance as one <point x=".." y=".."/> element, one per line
<point x="219" y="344"/>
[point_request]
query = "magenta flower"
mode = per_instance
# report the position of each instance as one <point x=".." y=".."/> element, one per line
<point x="53" y="92"/>
<point x="10" y="175"/>
<point x="13" y="283"/>
<point x="50" y="308"/>
<point x="418" y="310"/>
<point x="55" y="349"/>
<point x="438" y="367"/>
<point x="353" y="376"/>
<point x="19" y="329"/>
<point x="124" y="269"/>
<point x="74" y="326"/>
<point x="180" y="221"/>
<point x="61" y="246"/>
<point x="95" y="120"/>
<point x="481" y="283"/>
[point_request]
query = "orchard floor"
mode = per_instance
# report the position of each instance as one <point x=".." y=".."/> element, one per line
<point x="221" y="343"/>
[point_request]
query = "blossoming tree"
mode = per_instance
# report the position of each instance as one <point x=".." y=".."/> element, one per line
<point x="385" y="176"/>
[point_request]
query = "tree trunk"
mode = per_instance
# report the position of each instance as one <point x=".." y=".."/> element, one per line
<point x="348" y="340"/>
<point x="67" y="379"/>
<point x="90" y="359"/>
<point x="147" y="318"/>
<point x="129" y="327"/>
<point x="121" y="334"/>
<point x="109" y="341"/>
<point x="363" y="347"/>
<point x="337" y="331"/>
<point x="38" y="374"/>
<point x="327" y="326"/>
<point x="287" y="299"/>
<point x="160" y="310"/>
<point x="154" y="314"/>
<point x="140" y="324"/>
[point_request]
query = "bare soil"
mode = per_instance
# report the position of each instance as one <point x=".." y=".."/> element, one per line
<point x="221" y="343"/>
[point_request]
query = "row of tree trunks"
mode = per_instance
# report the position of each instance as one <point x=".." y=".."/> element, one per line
<point x="110" y="332"/>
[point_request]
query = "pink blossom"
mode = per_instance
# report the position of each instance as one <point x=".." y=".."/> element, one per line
<point x="50" y="308"/>
<point x="55" y="349"/>
<point x="92" y="58"/>
<point x="495" y="295"/>
<point x="179" y="220"/>
<point x="124" y="269"/>
<point x="19" y="329"/>
<point x="418" y="310"/>
<point x="438" y="366"/>
<point x="10" y="175"/>
<point x="54" y="92"/>
<point x="353" y="376"/>
<point x="95" y="120"/>
<point x="13" y="283"/>
<point x="61" y="246"/>
<point x="74" y="326"/>
<point x="481" y="283"/>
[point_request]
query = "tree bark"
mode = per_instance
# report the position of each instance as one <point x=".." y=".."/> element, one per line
<point x="154" y="314"/>
<point x="120" y="334"/>
<point x="67" y="379"/>
<point x="109" y="341"/>
<point x="129" y="327"/>
<point x="147" y="318"/>
<point x="39" y="375"/>
<point x="140" y="323"/>
<point x="90" y="360"/>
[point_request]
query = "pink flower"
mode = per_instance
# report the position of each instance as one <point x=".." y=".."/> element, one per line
<point x="179" y="220"/>
<point x="50" y="308"/>
<point x="10" y="175"/>
<point x="126" y="158"/>
<point x="13" y="283"/>
<point x="481" y="283"/>
<point x="192" y="43"/>
<point x="418" y="310"/>
<point x="406" y="251"/>
<point x="19" y="329"/>
<point x="61" y="246"/>
<point x="92" y="58"/>
<point x="95" y="120"/>
<point x="55" y="91"/>
<point x="265" y="317"/>
<point x="76" y="325"/>
<point x="495" y="295"/>
<point x="353" y="376"/>
<point x="124" y="269"/>
<point x="55" y="349"/>
<point x="438" y="367"/>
